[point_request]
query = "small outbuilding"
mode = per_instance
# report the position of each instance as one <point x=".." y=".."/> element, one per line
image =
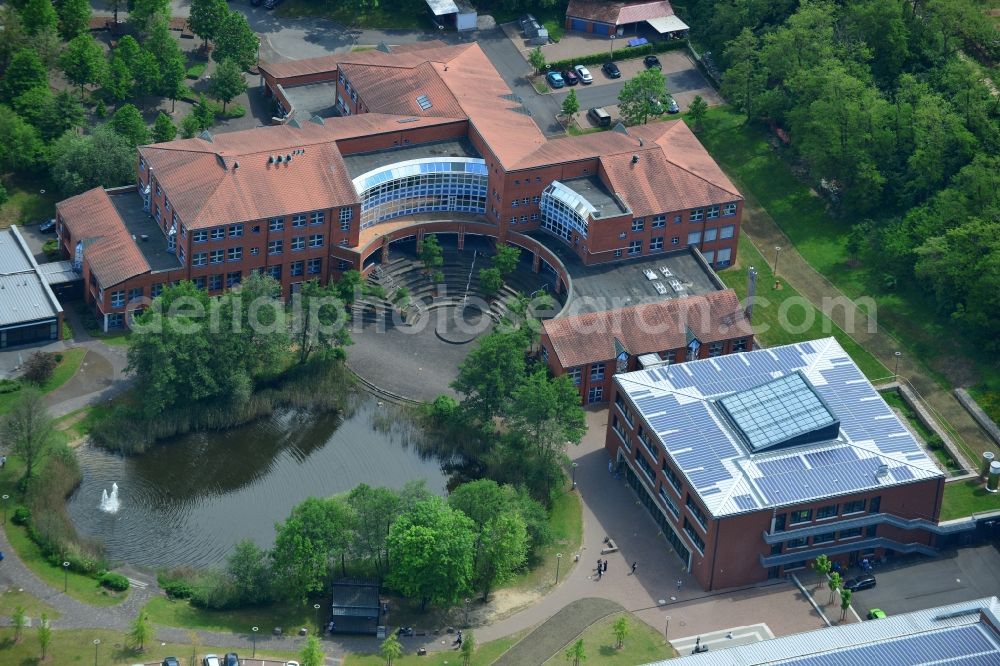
<point x="29" y="310"/>
<point x="355" y="607"/>
<point x="453" y="13"/>
<point x="619" y="18"/>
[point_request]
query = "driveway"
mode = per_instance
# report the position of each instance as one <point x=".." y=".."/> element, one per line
<point x="35" y="240"/>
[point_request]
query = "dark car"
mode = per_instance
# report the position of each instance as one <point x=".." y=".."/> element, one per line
<point x="570" y="77"/>
<point x="672" y="106"/>
<point x="171" y="661"/>
<point x="231" y="659"/>
<point x="651" y="61"/>
<point x="611" y="69"/>
<point x="48" y="226"/>
<point x="865" y="582"/>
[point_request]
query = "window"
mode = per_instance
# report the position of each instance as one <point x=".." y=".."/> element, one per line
<point x="298" y="220"/>
<point x="235" y="230"/>
<point x="513" y="220"/>
<point x="697" y="215"/>
<point x="618" y="428"/>
<point x="710" y="235"/>
<point x="656" y="244"/>
<point x="199" y="236"/>
<point x="524" y="219"/>
<point x="576" y="374"/>
<point x="234" y="254"/>
<point x="298" y="243"/>
<point x="597" y="372"/>
<point x="199" y="258"/>
<point x="713" y="212"/>
<point x="668" y="501"/>
<point x="142" y="164"/>
<point x="274" y="271"/>
<point x="254" y="251"/>
<point x="315" y="266"/>
<point x="725" y="254"/>
<point x="874" y="505"/>
<point x="343" y="264"/>
<point x="216" y="256"/>
<point x="525" y="201"/>
<point x="181" y="256"/>
<point x="255" y="229"/>
<point x="696" y="512"/>
<point x="852" y="533"/>
<point x="659" y="222"/>
<point x="535" y="199"/>
<point x="534" y="217"/>
<point x="618" y="253"/>
<point x="675" y="240"/>
<point x="854" y="507"/>
<point x="646" y="468"/>
<point x="715" y="349"/>
<point x="275" y="246"/>
<point x="709" y="256"/>
<point x="647" y="442"/>
<point x="669" y="356"/>
<point x="699" y="543"/>
<point x="638" y="224"/>
<point x="634" y="248"/>
<point x="317" y="218"/>
<point x="344" y="243"/>
<point x="218" y="233"/>
<point x="233" y="278"/>
<point x="826" y="512"/>
<point x="158" y="191"/>
<point x="276" y="224"/>
<point x="345" y="219"/>
<point x="779" y="522"/>
<point x="156" y="290"/>
<point x="316" y="240"/>
<point x="677" y="219"/>
<point x="595" y="394"/>
<point x="803" y="516"/>
<point x="199" y="282"/>
<point x="694" y="238"/>
<point x="116" y="320"/>
<point x="215" y="282"/>
<point x="740" y="345"/>
<point x="801" y="542"/>
<point x="826" y="537"/>
<point x="514" y="204"/>
<point x="296" y="268"/>
<point x="672" y="477"/>
<point x="134" y="294"/>
<point x="544" y="352"/>
<point x="727" y="231"/>
<point x="624" y="409"/>
<point x="729" y="209"/>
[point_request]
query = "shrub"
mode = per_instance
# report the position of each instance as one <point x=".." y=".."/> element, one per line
<point x="113" y="581"/>
<point x="9" y="385"/>
<point x="22" y="515"/>
<point x="39" y="367"/>
<point x="196" y="70"/>
<point x="216" y="591"/>
<point x="178" y="589"/>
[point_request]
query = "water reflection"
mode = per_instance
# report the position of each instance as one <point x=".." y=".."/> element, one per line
<point x="188" y="501"/>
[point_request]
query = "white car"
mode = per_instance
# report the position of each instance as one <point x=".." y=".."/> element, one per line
<point x="210" y="660"/>
<point x="584" y="74"/>
<point x="291" y="663"/>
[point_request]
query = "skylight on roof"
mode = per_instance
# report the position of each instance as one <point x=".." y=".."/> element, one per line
<point x="424" y="101"/>
<point x="781" y="413"/>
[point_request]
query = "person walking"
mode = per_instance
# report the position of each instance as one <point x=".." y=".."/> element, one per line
<point x="679" y="583"/>
<point x="634" y="565"/>
<point x="605" y="566"/>
<point x="3" y="461"/>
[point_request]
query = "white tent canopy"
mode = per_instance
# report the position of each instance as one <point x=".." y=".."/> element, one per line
<point x="667" y="24"/>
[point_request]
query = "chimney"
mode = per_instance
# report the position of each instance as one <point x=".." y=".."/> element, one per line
<point x="751" y="293"/>
<point x="635" y="159"/>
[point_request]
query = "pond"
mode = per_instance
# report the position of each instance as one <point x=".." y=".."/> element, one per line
<point x="188" y="501"/>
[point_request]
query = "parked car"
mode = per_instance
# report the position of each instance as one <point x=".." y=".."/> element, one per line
<point x="48" y="226"/>
<point x="655" y="105"/>
<point x="171" y="661"/>
<point x="651" y="61"/>
<point x="570" y="77"/>
<point x="555" y="79"/>
<point x="600" y="117"/>
<point x="210" y="660"/>
<point x="672" y="106"/>
<point x="611" y="69"/>
<point x="291" y="663"/>
<point x="865" y="582"/>
<point x="586" y="78"/>
<point x="231" y="659"/>
<point x="876" y="614"/>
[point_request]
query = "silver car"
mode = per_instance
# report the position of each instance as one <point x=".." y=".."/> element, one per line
<point x="585" y="77"/>
<point x="210" y="660"/>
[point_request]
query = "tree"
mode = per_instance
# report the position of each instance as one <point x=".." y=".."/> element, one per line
<point x="620" y="629"/>
<point x="163" y="129"/>
<point x="83" y="61"/>
<point x="431" y="254"/>
<point x="173" y="71"/>
<point x="570" y="105"/>
<point x="834" y="583"/>
<point x="74" y="18"/>
<point x="38" y="16"/>
<point x="490" y="373"/>
<point x="247" y="566"/>
<point x="374" y="510"/>
<point x="638" y="98"/>
<point x="468" y="648"/>
<point x="236" y="41"/>
<point x="822" y="565"/>
<point x="537" y="59"/>
<point x="743" y="81"/>
<point x="390" y="648"/>
<point x="490" y="281"/>
<point x="146" y="73"/>
<point x="143" y="13"/>
<point x="44" y="635"/>
<point x="128" y="123"/>
<point x="312" y="653"/>
<point x="697" y="111"/>
<point x="24" y="73"/>
<point x="206" y="18"/>
<point x="845" y="602"/>
<point x="506" y="258"/>
<point x="576" y="653"/>
<point x="227" y="83"/>
<point x="319" y="320"/>
<point x="78" y="163"/>
<point x="548" y="409"/>
<point x="39" y="367"/>
<point x="316" y="532"/>
<point x="13" y="37"/>
<point x="432" y="548"/>
<point x="28" y="429"/>
<point x="501" y="550"/>
<point x="114" y="6"/>
<point x="117" y="79"/>
<point x="21" y="146"/>
<point x="139" y="631"/>
<point x="18" y="620"/>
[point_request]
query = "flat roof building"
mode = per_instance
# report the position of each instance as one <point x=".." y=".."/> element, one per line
<point x="754" y="464"/>
<point x="29" y="310"/>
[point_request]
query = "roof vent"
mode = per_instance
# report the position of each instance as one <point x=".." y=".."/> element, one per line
<point x="635" y="159"/>
<point x="270" y="159"/>
<point x="882" y="470"/>
<point x="288" y="158"/>
<point x="294" y="123"/>
<point x="277" y="160"/>
<point x="206" y="135"/>
<point x="317" y="120"/>
<point x="641" y="144"/>
<point x="236" y="165"/>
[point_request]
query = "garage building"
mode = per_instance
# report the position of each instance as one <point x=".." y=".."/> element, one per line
<point x="453" y="13"/>
<point x="29" y="311"/>
<point x="619" y="18"/>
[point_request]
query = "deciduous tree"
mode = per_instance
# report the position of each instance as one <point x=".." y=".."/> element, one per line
<point x="638" y="98"/>
<point x="390" y="649"/>
<point x="140" y="631"/>
<point x="490" y="281"/>
<point x="247" y="565"/>
<point x="537" y="59"/>
<point x="128" y="123"/>
<point x="576" y="653"/>
<point x="468" y="647"/>
<point x="236" y="41"/>
<point x="431" y="254"/>
<point x="319" y="320"/>
<point x="78" y="163"/>
<point x="374" y="509"/>
<point x="21" y="146"/>
<point x="206" y="18"/>
<point x="305" y="545"/>
<point x="38" y="16"/>
<point x="490" y="373"/>
<point x="144" y="13"/>
<point x="18" y="620"/>
<point x="163" y="129"/>
<point x="27" y="429"/>
<point x="44" y="635"/>
<point x="570" y="105"/>
<point x="312" y="653"/>
<point x="74" y="18"/>
<point x="620" y="629"/>
<point x="845" y="602"/>
<point x="697" y="110"/>
<point x="83" y="61"/>
<point x="227" y="83"/>
<point x="25" y="72"/>
<point x="506" y="258"/>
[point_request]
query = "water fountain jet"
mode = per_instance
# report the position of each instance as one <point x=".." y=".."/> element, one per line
<point x="110" y="503"/>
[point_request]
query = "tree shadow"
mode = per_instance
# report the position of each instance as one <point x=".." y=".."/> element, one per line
<point x="608" y="650"/>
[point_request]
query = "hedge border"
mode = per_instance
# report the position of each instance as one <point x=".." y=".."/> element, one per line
<point x="625" y="53"/>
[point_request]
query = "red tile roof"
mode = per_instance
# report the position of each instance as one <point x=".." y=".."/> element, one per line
<point x="617" y="13"/>
<point x="328" y="63"/>
<point x="107" y="245"/>
<point x="646" y="328"/>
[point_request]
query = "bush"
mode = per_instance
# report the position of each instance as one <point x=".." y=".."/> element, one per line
<point x="113" y="581"/>
<point x="196" y="70"/>
<point x="216" y="591"/>
<point x="22" y="515"/>
<point x="178" y="589"/>
<point x="235" y="111"/>
<point x="39" y="367"/>
<point x="626" y="53"/>
<point x="9" y="385"/>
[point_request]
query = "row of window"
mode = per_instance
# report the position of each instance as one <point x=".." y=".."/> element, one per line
<point x="711" y="235"/>
<point x="827" y="512"/>
<point x="274" y="224"/>
<point x="524" y="218"/>
<point x="525" y="201"/>
<point x="274" y="247"/>
<point x="826" y="537"/>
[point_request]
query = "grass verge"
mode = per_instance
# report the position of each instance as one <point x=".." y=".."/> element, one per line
<point x="930" y="438"/>
<point x="642" y="644"/>
<point x="484" y="655"/>
<point x="31" y="199"/>
<point x="964" y="498"/>
<point x="566" y="524"/>
<point x="33" y="607"/>
<point x="180" y="613"/>
<point x="354" y="16"/>
<point x="67" y="367"/>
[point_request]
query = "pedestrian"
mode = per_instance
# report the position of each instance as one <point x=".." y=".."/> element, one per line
<point x="679" y="583"/>
<point x="3" y="461"/>
<point x="599" y="565"/>
<point x="611" y="467"/>
<point x="605" y="566"/>
<point x="600" y="572"/>
<point x="458" y="639"/>
<point x="634" y="565"/>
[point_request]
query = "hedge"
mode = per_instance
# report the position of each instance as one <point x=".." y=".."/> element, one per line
<point x="9" y="385"/>
<point x="196" y="70"/>
<point x="113" y="581"/>
<point x="625" y="53"/>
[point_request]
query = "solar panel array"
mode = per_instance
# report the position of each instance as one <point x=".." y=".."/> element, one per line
<point x="677" y="403"/>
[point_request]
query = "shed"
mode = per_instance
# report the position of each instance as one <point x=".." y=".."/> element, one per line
<point x="29" y="310"/>
<point x="453" y="13"/>
<point x="617" y="18"/>
<point x="355" y="607"/>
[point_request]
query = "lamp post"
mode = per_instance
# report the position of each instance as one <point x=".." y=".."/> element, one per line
<point x="666" y="631"/>
<point x="319" y="627"/>
<point x="254" y="629"/>
<point x="97" y="644"/>
<point x="777" y="251"/>
<point x="467" y="602"/>
<point x="612" y="56"/>
<point x="65" y="576"/>
<point x="575" y="465"/>
<point x="5" y="498"/>
<point x="558" y="562"/>
<point x="895" y="370"/>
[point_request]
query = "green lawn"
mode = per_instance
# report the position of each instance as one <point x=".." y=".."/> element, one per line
<point x="988" y="400"/>
<point x="782" y="316"/>
<point x="745" y="152"/>
<point x="352" y="16"/>
<point x="642" y="644"/>
<point x="72" y="358"/>
<point x="33" y="607"/>
<point x="180" y="613"/>
<point x="566" y="524"/>
<point x="77" y="647"/>
<point x="964" y="498"/>
<point x="930" y="438"/>
<point x="31" y="200"/>
<point x="485" y="655"/>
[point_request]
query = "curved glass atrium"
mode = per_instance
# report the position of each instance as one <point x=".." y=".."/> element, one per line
<point x="565" y="211"/>
<point x="452" y="184"/>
